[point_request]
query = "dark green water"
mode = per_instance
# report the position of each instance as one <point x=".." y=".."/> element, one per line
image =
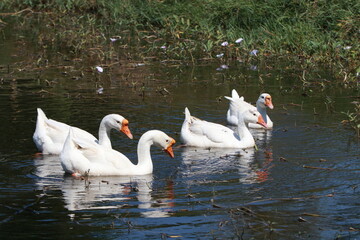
<point x="201" y="193"/>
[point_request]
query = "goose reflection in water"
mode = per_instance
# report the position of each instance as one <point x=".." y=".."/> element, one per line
<point x="201" y="163"/>
<point x="263" y="143"/>
<point x="49" y="172"/>
<point x="111" y="192"/>
<point x="261" y="136"/>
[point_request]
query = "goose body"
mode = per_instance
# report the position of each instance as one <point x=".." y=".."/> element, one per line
<point x="50" y="135"/>
<point x="200" y="133"/>
<point x="238" y="103"/>
<point x="81" y="158"/>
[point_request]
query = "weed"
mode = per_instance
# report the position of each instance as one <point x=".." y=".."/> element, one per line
<point x="354" y="118"/>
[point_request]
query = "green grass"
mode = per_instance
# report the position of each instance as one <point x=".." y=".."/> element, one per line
<point x="319" y="31"/>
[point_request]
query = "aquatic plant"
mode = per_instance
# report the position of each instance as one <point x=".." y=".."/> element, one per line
<point x="353" y="118"/>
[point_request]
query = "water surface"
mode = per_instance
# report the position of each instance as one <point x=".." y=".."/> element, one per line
<point x="301" y="182"/>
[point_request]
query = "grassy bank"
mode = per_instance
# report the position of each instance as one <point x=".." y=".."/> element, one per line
<point x="312" y="32"/>
<point x="317" y="30"/>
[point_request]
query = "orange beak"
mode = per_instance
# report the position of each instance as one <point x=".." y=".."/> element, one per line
<point x="169" y="149"/>
<point x="125" y="128"/>
<point x="268" y="102"/>
<point x="261" y="121"/>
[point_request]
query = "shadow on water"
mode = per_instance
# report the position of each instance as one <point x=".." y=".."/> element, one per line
<point x="301" y="182"/>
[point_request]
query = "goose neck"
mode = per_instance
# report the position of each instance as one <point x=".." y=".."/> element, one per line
<point x="262" y="111"/>
<point x="143" y="151"/>
<point x="104" y="135"/>
<point x="242" y="130"/>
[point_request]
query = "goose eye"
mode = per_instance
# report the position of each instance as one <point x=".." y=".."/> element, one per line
<point x="167" y="140"/>
<point x="117" y="121"/>
<point x="262" y="96"/>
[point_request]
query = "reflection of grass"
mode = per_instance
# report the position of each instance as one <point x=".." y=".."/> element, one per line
<point x="354" y="118"/>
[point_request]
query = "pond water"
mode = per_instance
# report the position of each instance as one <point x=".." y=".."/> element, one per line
<point x="301" y="183"/>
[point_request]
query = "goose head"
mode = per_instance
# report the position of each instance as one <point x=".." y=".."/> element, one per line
<point x="118" y="122"/>
<point x="253" y="116"/>
<point x="265" y="101"/>
<point x="163" y="141"/>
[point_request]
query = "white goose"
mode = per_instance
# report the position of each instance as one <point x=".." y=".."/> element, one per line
<point x="199" y="133"/>
<point x="81" y="158"/>
<point x="50" y="135"/>
<point x="263" y="101"/>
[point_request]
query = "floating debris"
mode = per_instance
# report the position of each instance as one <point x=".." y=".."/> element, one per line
<point x="312" y="215"/>
<point x="190" y="195"/>
<point x="224" y="66"/>
<point x="239" y="40"/>
<point x="215" y="206"/>
<point x="164" y="91"/>
<point x="100" y="69"/>
<point x="100" y="90"/>
<point x="220" y="55"/>
<point x="165" y="236"/>
<point x="224" y="44"/>
<point x="300" y="219"/>
<point x="321" y="168"/>
<point x="115" y="38"/>
<point x="139" y="64"/>
<point x="253" y="67"/>
<point x="354" y="229"/>
<point x="254" y="52"/>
